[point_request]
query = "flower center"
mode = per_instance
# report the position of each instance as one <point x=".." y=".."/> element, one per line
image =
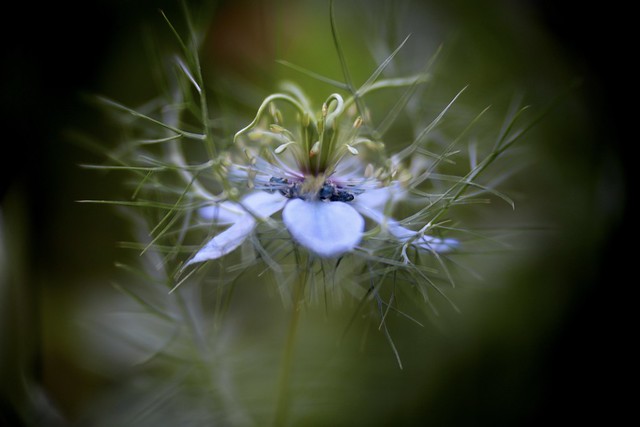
<point x="310" y="188"/>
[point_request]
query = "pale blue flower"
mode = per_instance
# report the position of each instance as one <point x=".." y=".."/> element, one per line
<point x="326" y="228"/>
<point x="316" y="177"/>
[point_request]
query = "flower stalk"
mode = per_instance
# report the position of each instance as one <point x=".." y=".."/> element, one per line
<point x="284" y="395"/>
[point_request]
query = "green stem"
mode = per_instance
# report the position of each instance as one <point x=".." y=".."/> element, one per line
<point x="284" y="392"/>
<point x="265" y="104"/>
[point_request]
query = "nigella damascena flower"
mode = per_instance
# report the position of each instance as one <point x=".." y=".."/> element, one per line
<point x="315" y="175"/>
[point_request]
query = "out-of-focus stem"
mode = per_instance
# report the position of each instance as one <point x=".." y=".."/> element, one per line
<point x="284" y="392"/>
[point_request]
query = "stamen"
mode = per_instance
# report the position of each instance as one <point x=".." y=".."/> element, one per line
<point x="352" y="150"/>
<point x="280" y="148"/>
<point x="314" y="149"/>
<point x="328" y="191"/>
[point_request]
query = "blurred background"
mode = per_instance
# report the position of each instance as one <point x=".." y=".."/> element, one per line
<point x="542" y="341"/>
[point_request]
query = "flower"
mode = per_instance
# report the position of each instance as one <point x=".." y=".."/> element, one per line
<point x="317" y="178"/>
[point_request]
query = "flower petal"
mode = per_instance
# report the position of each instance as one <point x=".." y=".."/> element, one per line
<point x="328" y="229"/>
<point x="221" y="213"/>
<point x="242" y="215"/>
<point x="263" y="204"/>
<point x="378" y="198"/>
<point x="429" y="243"/>
<point x="226" y="241"/>
<point x="403" y="234"/>
<point x="260" y="203"/>
<point x="436" y="244"/>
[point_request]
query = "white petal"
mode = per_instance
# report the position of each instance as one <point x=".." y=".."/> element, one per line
<point x="438" y="245"/>
<point x="399" y="232"/>
<point x="226" y="241"/>
<point x="373" y="214"/>
<point x="425" y="242"/>
<point x="259" y="204"/>
<point x="328" y="229"/>
<point x="222" y="213"/>
<point x="263" y="204"/>
<point x="404" y="234"/>
<point x="378" y="198"/>
<point x="374" y="199"/>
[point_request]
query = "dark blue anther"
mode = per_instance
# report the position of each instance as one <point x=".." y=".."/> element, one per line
<point x="326" y="192"/>
<point x="293" y="190"/>
<point x="341" y="196"/>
